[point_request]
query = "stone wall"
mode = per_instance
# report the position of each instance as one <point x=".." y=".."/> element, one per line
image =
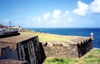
<point x="9" y="34"/>
<point x="23" y="48"/>
<point x="84" y="47"/>
<point x="7" y="53"/>
<point x="60" y="51"/>
<point x="31" y="51"/>
<point x="74" y="48"/>
<point x="27" y="51"/>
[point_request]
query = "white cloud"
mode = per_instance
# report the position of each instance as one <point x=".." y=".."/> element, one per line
<point x="57" y="20"/>
<point x="70" y="19"/>
<point x="94" y="7"/>
<point x="19" y="22"/>
<point x="46" y="15"/>
<point x="53" y="22"/>
<point x="33" y="19"/>
<point x="67" y="17"/>
<point x="67" y="14"/>
<point x="6" y="20"/>
<point x="39" y="19"/>
<point x="28" y="23"/>
<point x="82" y="9"/>
<point x="56" y="14"/>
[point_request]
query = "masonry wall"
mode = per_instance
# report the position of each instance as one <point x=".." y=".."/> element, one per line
<point x="30" y="51"/>
<point x="85" y="47"/>
<point x="9" y="34"/>
<point x="71" y="50"/>
<point x="7" y="53"/>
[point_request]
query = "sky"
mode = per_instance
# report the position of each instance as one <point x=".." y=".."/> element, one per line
<point x="50" y="13"/>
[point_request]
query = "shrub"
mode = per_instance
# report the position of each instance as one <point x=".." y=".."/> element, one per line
<point x="57" y="60"/>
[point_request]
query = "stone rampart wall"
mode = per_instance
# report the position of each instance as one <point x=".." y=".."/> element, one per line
<point x="9" y="34"/>
<point x="29" y="50"/>
<point x="84" y="47"/>
<point x="60" y="51"/>
<point x="7" y="53"/>
<point x="68" y="49"/>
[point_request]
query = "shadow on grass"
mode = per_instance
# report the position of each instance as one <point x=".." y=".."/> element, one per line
<point x="59" y="61"/>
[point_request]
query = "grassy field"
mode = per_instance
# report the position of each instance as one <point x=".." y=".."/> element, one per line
<point x="43" y="37"/>
<point x="48" y="37"/>
<point x="92" y="57"/>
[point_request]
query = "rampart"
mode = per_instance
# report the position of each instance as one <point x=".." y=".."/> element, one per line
<point x="8" y="34"/>
<point x="74" y="48"/>
<point x="24" y="47"/>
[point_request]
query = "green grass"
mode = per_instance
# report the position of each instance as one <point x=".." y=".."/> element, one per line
<point x="57" y="61"/>
<point x="48" y="37"/>
<point x="43" y="37"/>
<point x="92" y="57"/>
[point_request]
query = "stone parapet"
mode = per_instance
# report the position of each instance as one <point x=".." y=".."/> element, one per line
<point x="24" y="47"/>
<point x="73" y="48"/>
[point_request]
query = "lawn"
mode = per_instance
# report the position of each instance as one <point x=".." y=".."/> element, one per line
<point x="43" y="37"/>
<point x="48" y="37"/>
<point x="92" y="57"/>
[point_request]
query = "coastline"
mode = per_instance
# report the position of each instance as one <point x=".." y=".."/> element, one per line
<point x="96" y="48"/>
<point x="34" y="32"/>
<point x="73" y="32"/>
<point x="51" y="34"/>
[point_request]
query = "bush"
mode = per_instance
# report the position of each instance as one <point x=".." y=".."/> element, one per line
<point x="57" y="60"/>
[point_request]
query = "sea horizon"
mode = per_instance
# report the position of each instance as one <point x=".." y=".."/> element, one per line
<point x="61" y="27"/>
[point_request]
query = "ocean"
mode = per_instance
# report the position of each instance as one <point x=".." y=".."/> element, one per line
<point x="73" y="32"/>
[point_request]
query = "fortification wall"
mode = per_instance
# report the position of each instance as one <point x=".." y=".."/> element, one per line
<point x="74" y="48"/>
<point x="9" y="34"/>
<point x="23" y="48"/>
<point x="84" y="47"/>
<point x="27" y="48"/>
<point x="60" y="51"/>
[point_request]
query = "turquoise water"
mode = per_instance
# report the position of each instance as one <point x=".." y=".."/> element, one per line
<point x="73" y="32"/>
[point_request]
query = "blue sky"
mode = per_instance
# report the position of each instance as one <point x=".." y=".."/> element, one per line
<point x="51" y="13"/>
